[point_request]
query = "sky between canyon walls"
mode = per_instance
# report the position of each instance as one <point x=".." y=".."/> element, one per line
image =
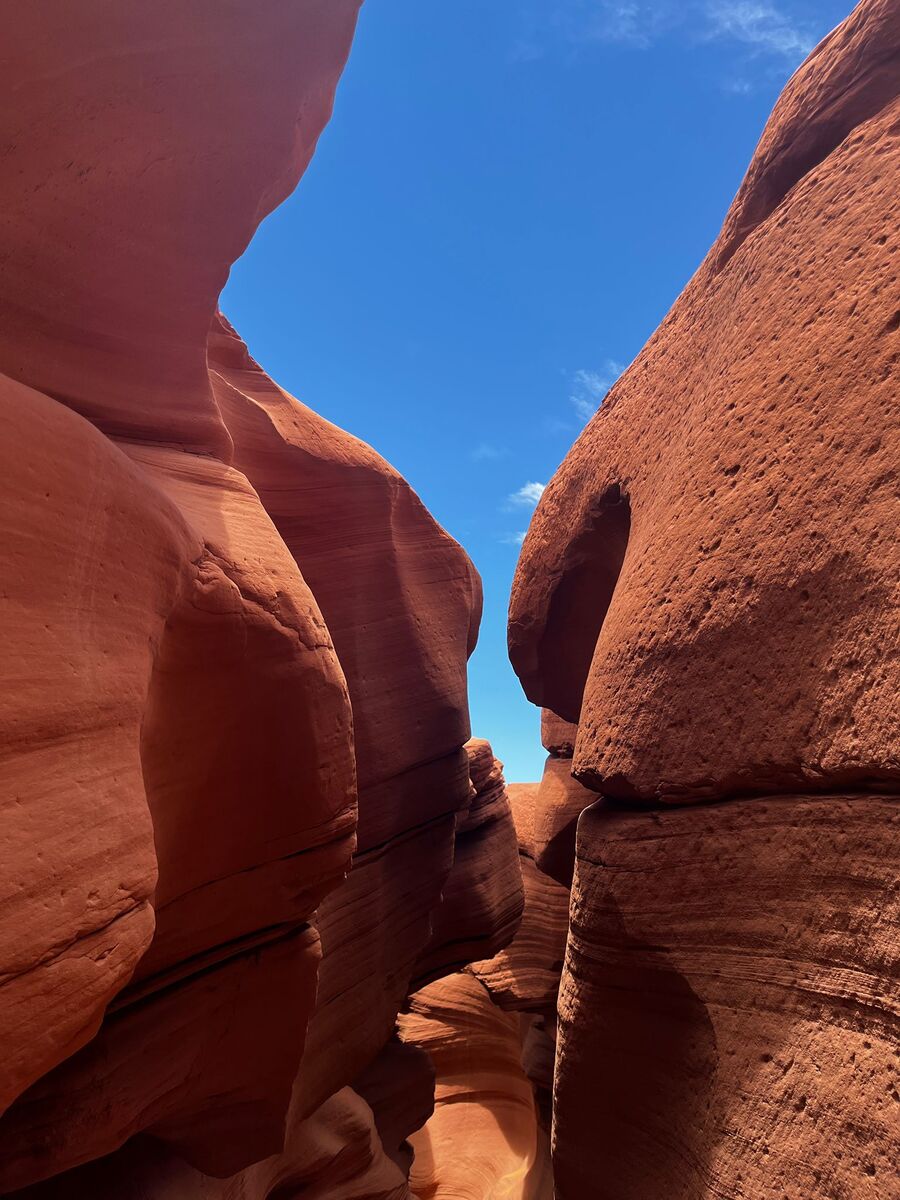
<point x="510" y="196"/>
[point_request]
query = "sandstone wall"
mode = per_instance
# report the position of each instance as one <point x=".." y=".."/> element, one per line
<point x="709" y="589"/>
<point x="233" y="715"/>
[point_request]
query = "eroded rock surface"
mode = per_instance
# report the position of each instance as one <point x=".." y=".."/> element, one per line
<point x="710" y="580"/>
<point x="709" y="590"/>
<point x="729" y="1013"/>
<point x="239" y="649"/>
<point x="484" y="1138"/>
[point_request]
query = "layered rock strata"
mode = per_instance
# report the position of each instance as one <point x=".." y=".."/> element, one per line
<point x="490" y="1032"/>
<point x="484" y="1138"/>
<point x="237" y="660"/>
<point x="709" y="590"/>
<point x="729" y="1013"/>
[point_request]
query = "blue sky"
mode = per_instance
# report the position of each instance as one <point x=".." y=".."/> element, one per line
<point x="509" y="198"/>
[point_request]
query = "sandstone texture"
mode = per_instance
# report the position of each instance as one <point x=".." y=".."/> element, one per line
<point x="729" y="1015"/>
<point x="709" y="586"/>
<point x="240" y="819"/>
<point x="490" y="1033"/>
<point x="709" y="591"/>
<point x="177" y="732"/>
<point x="483" y="898"/>
<point x="484" y="1139"/>
<point x="402" y="604"/>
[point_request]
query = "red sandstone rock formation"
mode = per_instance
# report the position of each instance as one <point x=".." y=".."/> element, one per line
<point x="723" y="528"/>
<point x="190" y="553"/>
<point x="169" y="638"/>
<point x="378" y="563"/>
<point x="484" y="1138"/>
<point x="709" y="587"/>
<point x="492" y="1044"/>
<point x="729" y="1011"/>
<point x="483" y="898"/>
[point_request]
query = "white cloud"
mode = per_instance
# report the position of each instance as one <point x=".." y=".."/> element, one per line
<point x="590" y="387"/>
<point x="485" y="451"/>
<point x="528" y="494"/>
<point x="738" y="86"/>
<point x="765" y="27"/>
<point x="619" y="22"/>
<point x="760" y="25"/>
<point x="514" y="539"/>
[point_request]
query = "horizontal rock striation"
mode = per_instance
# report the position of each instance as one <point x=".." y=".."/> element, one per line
<point x="709" y="590"/>
<point x="729" y="1016"/>
<point x="484" y="1138"/>
<point x="238" y="814"/>
<point x="483" y="899"/>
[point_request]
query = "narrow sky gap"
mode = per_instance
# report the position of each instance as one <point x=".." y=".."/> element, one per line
<point x="460" y="279"/>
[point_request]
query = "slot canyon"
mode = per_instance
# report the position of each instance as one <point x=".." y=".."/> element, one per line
<point x="273" y="923"/>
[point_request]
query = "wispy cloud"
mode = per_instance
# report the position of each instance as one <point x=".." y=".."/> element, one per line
<point x="528" y="494"/>
<point x="514" y="539"/>
<point x="484" y="452"/>
<point x="762" y="26"/>
<point x="765" y="28"/>
<point x="590" y="387"/>
<point x="627" y="23"/>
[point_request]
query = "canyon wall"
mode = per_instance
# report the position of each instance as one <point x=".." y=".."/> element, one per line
<point x="709" y="591"/>
<point x="271" y="922"/>
<point x="241" y="819"/>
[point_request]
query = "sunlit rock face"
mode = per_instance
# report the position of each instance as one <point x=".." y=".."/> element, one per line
<point x="490" y="1030"/>
<point x="402" y="603"/>
<point x="709" y="581"/>
<point x="237" y="652"/>
<point x="709" y="589"/>
<point x="484" y="1138"/>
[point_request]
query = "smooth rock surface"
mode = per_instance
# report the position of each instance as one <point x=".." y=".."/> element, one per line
<point x="483" y="898"/>
<point x="484" y="1139"/>
<point x="335" y="1155"/>
<point x="402" y="602"/>
<point x="84" y="609"/>
<point x="144" y="145"/>
<point x="191" y="774"/>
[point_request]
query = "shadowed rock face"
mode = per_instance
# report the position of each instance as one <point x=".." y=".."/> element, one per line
<point x="180" y="777"/>
<point x="195" y="743"/>
<point x="709" y="589"/>
<point x="709" y="584"/>
<point x="729" y="1017"/>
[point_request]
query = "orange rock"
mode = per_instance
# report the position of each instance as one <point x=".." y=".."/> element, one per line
<point x="402" y="602"/>
<point x="709" y="581"/>
<point x="484" y="1138"/>
<point x="729" y="1013"/>
<point x="559" y="802"/>
<point x="557" y="736"/>
<point x="178" y="725"/>
<point x="143" y="148"/>
<point x="482" y="900"/>
<point x="85" y="604"/>
<point x="709" y="588"/>
<point x="524" y="976"/>
<point x="379" y="559"/>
